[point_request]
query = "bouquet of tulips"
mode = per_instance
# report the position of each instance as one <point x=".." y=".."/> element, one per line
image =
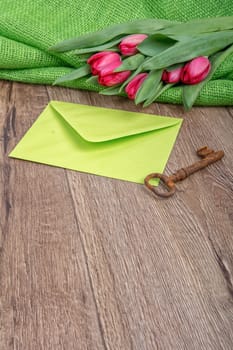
<point x="143" y="58"/>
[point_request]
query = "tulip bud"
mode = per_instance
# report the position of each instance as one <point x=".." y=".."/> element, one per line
<point x="173" y="76"/>
<point x="128" y="46"/>
<point x="114" y="78"/>
<point x="196" y="70"/>
<point x="105" y="61"/>
<point x="133" y="86"/>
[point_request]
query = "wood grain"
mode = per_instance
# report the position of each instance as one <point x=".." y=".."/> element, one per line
<point x="46" y="293"/>
<point x="88" y="262"/>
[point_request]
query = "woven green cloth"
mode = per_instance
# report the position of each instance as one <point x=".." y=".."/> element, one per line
<point x="28" y="28"/>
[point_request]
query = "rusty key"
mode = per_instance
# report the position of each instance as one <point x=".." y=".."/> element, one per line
<point x="208" y="156"/>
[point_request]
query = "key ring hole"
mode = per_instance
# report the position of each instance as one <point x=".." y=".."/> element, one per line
<point x="169" y="187"/>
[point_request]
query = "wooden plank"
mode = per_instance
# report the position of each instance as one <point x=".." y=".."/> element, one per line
<point x="88" y="262"/>
<point x="46" y="299"/>
<point x="162" y="270"/>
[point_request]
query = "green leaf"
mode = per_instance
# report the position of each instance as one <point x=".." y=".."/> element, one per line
<point x="93" y="80"/>
<point x="152" y="96"/>
<point x="160" y="90"/>
<point x="83" y="58"/>
<point x="203" y="45"/>
<point x="104" y="47"/>
<point x="174" y="66"/>
<point x="143" y="26"/>
<point x="202" y="25"/>
<point x="113" y="90"/>
<point x="191" y="92"/>
<point x="155" y="44"/>
<point x="75" y="74"/>
<point x="149" y="86"/>
<point x="131" y="63"/>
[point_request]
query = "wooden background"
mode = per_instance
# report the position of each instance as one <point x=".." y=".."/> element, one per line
<point x="88" y="262"/>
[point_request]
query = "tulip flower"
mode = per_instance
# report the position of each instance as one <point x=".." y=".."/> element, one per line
<point x="196" y="70"/>
<point x="113" y="78"/>
<point x="128" y="46"/>
<point x="133" y="86"/>
<point x="105" y="62"/>
<point x="173" y="76"/>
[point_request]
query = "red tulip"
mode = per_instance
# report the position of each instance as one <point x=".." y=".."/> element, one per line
<point x="105" y="62"/>
<point x="196" y="70"/>
<point x="133" y="86"/>
<point x="128" y="46"/>
<point x="113" y="78"/>
<point x="173" y="76"/>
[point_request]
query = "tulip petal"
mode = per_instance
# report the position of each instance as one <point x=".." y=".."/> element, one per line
<point x="100" y="61"/>
<point x="128" y="46"/>
<point x="172" y="76"/>
<point x="195" y="70"/>
<point x="97" y="56"/>
<point x="114" y="78"/>
<point x="109" y="68"/>
<point x="133" y="86"/>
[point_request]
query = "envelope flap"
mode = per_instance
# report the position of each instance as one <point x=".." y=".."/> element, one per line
<point x="97" y="124"/>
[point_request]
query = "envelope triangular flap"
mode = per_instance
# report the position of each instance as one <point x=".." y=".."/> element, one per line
<point x="97" y="124"/>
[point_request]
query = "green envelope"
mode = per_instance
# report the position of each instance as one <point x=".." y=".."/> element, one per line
<point x="102" y="141"/>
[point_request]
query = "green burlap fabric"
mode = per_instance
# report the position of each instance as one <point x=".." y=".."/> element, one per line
<point x="28" y="28"/>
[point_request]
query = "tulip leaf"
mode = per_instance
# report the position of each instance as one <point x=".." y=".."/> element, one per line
<point x="160" y="90"/>
<point x="149" y="86"/>
<point x="93" y="80"/>
<point x="191" y="92"/>
<point x="202" y="25"/>
<point x="152" y="96"/>
<point x="155" y="44"/>
<point x="109" y="45"/>
<point x="174" y="66"/>
<point x="113" y="90"/>
<point x="83" y="58"/>
<point x="142" y="26"/>
<point x="75" y="74"/>
<point x="131" y="63"/>
<point x="202" y="45"/>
